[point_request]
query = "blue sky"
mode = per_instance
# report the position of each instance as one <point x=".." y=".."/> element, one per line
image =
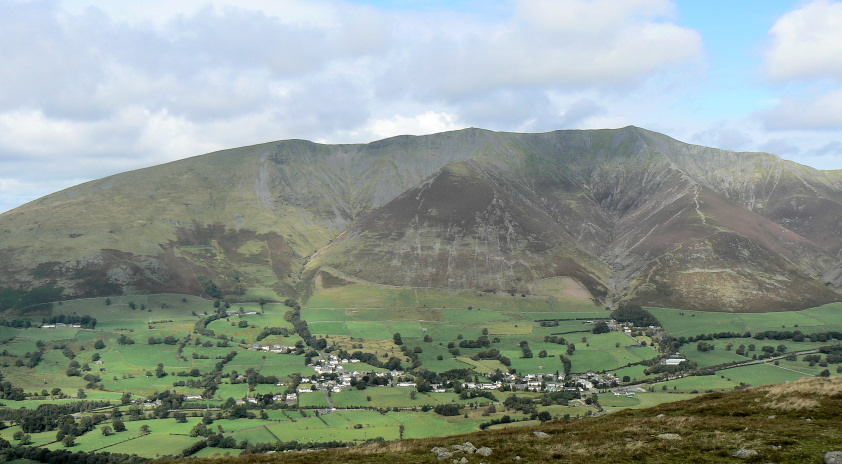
<point x="92" y="88"/>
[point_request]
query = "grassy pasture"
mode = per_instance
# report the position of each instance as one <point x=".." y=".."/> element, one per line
<point x="511" y="319"/>
<point x="364" y="295"/>
<point x="717" y="382"/>
<point x="761" y="374"/>
<point x="217" y="452"/>
<point x="255" y="434"/>
<point x="313" y="400"/>
<point x="687" y="323"/>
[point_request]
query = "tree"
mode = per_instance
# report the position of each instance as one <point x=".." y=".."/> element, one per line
<point x="99" y="344"/>
<point x="422" y="385"/>
<point x="159" y="371"/>
<point x="568" y="365"/>
<point x="106" y="430"/>
<point x="704" y="346"/>
<point x="601" y="327"/>
<point x="199" y="429"/>
<point x="118" y="425"/>
<point x="144" y="429"/>
<point x="126" y="398"/>
<point x="68" y="441"/>
<point x="397" y="338"/>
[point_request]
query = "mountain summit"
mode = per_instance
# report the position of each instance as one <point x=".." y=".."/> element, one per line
<point x="633" y="215"/>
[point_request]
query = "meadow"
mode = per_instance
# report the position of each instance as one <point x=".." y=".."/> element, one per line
<point x="143" y="345"/>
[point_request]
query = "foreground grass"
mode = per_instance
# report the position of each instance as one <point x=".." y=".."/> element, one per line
<point x="794" y="422"/>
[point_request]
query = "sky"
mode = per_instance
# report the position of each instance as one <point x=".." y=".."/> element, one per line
<point x="93" y="88"/>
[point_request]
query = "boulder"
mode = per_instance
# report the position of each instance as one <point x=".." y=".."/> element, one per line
<point x="466" y="447"/>
<point x="442" y="453"/>
<point x="833" y="457"/>
<point x="484" y="451"/>
<point x="744" y="453"/>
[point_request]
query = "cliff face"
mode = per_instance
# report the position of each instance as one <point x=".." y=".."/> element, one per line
<point x="633" y="215"/>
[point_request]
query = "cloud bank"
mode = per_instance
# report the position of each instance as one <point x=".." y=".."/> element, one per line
<point x="93" y="88"/>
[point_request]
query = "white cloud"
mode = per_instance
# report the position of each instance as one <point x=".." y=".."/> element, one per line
<point x="91" y="88"/>
<point x="820" y="112"/>
<point x="806" y="53"/>
<point x="426" y="123"/>
<point x="559" y="44"/>
<point x="807" y="43"/>
<point x="780" y="147"/>
<point x="727" y="135"/>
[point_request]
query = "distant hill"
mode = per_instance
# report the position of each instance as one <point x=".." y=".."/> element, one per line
<point x="633" y="215"/>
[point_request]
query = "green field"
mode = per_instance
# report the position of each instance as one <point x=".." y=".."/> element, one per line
<point x="442" y="329"/>
<point x="687" y="323"/>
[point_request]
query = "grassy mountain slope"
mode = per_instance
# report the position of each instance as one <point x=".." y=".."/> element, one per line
<point x="637" y="225"/>
<point x="245" y="218"/>
<point x="494" y="237"/>
<point x="631" y="214"/>
<point x="786" y="423"/>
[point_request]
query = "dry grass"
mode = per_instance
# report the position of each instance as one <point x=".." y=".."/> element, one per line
<point x="815" y="386"/>
<point x="794" y="404"/>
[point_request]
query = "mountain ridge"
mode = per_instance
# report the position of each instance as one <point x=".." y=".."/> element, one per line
<point x="636" y="216"/>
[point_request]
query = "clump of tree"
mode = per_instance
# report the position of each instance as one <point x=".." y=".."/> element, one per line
<point x="555" y="339"/>
<point x="601" y="327"/>
<point x="448" y="409"/>
<point x="87" y="322"/>
<point x="210" y="288"/>
<point x="634" y="314"/>
<point x="524" y="348"/>
<point x="481" y="342"/>
<point x="168" y="340"/>
<point x="267" y="331"/>
<point x="704" y="346"/>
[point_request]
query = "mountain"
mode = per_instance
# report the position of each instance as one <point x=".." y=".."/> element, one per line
<point x="633" y="215"/>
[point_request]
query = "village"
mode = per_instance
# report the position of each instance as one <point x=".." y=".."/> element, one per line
<point x="332" y="376"/>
